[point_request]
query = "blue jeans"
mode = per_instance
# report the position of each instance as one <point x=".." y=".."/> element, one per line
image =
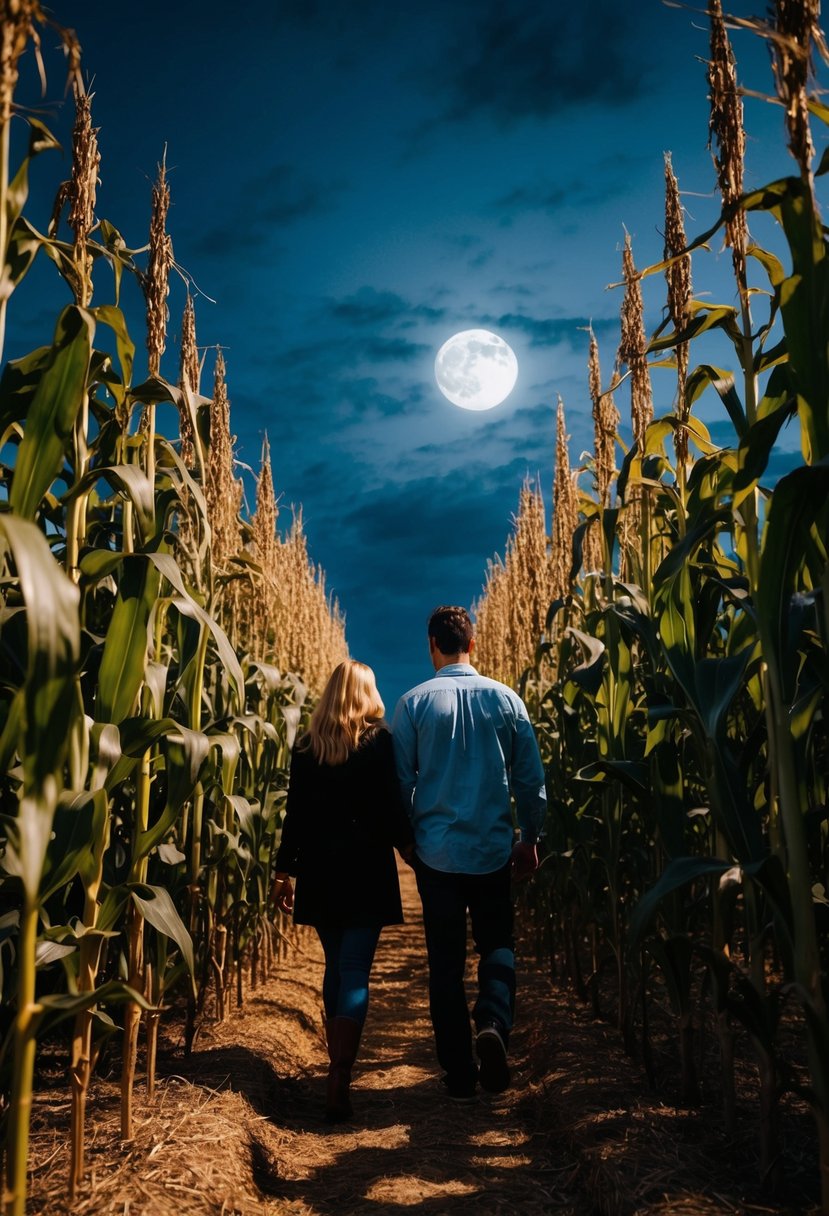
<point x="349" y="954"/>
<point x="446" y="899"/>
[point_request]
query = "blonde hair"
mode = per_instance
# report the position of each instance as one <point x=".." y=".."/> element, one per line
<point x="349" y="706"/>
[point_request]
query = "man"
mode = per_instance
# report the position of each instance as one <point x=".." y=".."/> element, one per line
<point x="462" y="742"/>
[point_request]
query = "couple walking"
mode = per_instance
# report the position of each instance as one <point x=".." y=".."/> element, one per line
<point x="437" y="789"/>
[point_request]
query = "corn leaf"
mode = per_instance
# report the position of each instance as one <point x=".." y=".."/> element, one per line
<point x="158" y="909"/>
<point x="58" y="398"/>
<point x="121" y="673"/>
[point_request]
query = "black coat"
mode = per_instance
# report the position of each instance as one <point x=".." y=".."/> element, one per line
<point x="342" y="822"/>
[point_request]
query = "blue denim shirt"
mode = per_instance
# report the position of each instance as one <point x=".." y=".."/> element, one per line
<point x="462" y="742"/>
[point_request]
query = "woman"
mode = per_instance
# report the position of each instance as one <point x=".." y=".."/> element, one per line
<point x="344" y="815"/>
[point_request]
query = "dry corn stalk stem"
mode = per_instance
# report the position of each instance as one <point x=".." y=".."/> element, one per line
<point x="223" y="492"/>
<point x="265" y="542"/>
<point x="726" y="129"/>
<point x="188" y="378"/>
<point x="308" y="626"/>
<point x="678" y="276"/>
<point x="492" y="624"/>
<point x="565" y="511"/>
<point x="82" y="192"/>
<point x="633" y="346"/>
<point x="605" y="423"/>
<point x="798" y="25"/>
<point x="511" y="612"/>
<point x="156" y="280"/>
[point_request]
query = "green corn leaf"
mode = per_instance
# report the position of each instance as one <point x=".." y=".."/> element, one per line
<point x="117" y="254"/>
<point x="58" y="398"/>
<point x="716" y="684"/>
<point x="588" y="674"/>
<point x="185" y="752"/>
<point x="96" y="564"/>
<point x="53" y="628"/>
<point x="631" y="773"/>
<point x="804" y="305"/>
<point x="50" y="952"/>
<point x="796" y="503"/>
<point x="77" y="826"/>
<point x="767" y="359"/>
<point x="291" y="715"/>
<point x="129" y="480"/>
<point x="723" y="383"/>
<point x="677" y="874"/>
<point x="24" y="243"/>
<point x="705" y="317"/>
<point x="156" y="906"/>
<point x="125" y="650"/>
<point x="41" y="139"/>
<point x="673" y="956"/>
<point x="108" y="314"/>
<point x="23" y="240"/>
<point x="682" y="552"/>
<point x="18" y="385"/>
<point x="772" y="265"/>
<point x="777" y="406"/>
<point x="166" y="565"/>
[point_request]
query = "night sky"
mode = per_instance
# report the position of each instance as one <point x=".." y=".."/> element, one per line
<point x="352" y="183"/>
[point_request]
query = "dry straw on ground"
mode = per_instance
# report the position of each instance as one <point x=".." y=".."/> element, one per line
<point x="237" y="1129"/>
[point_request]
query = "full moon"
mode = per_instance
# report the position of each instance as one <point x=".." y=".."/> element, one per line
<point x="476" y="369"/>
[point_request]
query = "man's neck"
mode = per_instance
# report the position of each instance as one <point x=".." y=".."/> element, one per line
<point x="448" y="660"/>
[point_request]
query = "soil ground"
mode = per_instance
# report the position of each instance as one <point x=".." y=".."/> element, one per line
<point x="236" y="1128"/>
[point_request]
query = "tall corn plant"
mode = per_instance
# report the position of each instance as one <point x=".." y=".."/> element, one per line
<point x="134" y="738"/>
<point x="720" y="655"/>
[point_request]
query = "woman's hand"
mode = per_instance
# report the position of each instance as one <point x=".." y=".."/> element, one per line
<point x="282" y="893"/>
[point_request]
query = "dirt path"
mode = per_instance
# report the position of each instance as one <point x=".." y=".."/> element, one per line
<point x="238" y="1128"/>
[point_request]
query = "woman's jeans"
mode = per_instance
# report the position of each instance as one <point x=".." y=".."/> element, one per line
<point x="446" y="899"/>
<point x="349" y="954"/>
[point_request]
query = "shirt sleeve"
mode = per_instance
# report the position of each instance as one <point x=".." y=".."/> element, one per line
<point x="527" y="779"/>
<point x="401" y="827"/>
<point x="287" y="855"/>
<point x="404" y="737"/>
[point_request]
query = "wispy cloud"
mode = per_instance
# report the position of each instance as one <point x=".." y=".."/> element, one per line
<point x="275" y="199"/>
<point x="369" y="307"/>
<point x="529" y="60"/>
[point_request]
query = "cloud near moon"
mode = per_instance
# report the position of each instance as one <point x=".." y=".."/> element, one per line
<point x="476" y="369"/>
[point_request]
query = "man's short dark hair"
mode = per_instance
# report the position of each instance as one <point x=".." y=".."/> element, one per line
<point x="452" y="629"/>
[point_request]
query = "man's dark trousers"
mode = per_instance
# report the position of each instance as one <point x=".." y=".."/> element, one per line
<point x="446" y="899"/>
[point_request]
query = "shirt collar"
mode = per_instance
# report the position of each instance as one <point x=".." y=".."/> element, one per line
<point x="456" y="669"/>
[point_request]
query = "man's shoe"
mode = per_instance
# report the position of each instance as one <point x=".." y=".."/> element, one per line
<point x="462" y="1093"/>
<point x="494" y="1073"/>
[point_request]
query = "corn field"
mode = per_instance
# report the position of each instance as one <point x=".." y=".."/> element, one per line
<point x="679" y="676"/>
<point x="159" y="650"/>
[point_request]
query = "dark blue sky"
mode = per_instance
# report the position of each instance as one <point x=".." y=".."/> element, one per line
<point x="352" y="183"/>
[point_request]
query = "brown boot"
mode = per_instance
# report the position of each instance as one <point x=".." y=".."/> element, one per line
<point x="343" y="1036"/>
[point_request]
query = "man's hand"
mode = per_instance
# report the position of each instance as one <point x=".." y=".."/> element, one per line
<point x="524" y="860"/>
<point x="282" y="893"/>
